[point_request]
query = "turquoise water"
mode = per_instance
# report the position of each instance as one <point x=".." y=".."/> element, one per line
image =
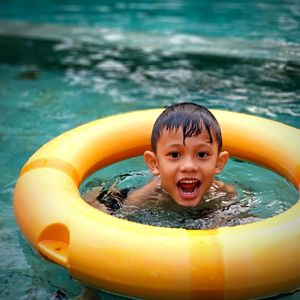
<point x="66" y="63"/>
<point x="260" y="193"/>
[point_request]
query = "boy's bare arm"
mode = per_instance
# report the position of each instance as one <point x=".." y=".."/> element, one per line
<point x="133" y="198"/>
<point x="143" y="193"/>
<point x="90" y="197"/>
<point x="224" y="187"/>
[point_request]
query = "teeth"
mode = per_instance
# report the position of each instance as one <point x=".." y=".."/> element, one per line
<point x="188" y="181"/>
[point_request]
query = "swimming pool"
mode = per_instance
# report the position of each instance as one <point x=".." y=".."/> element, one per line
<point x="65" y="64"/>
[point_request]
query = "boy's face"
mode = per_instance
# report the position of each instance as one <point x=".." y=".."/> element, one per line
<point x="186" y="170"/>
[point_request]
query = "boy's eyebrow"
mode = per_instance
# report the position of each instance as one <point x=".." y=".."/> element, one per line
<point x="206" y="143"/>
<point x="174" y="145"/>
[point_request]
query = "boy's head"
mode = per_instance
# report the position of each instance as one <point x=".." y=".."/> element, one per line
<point x="186" y="152"/>
<point x="191" y="118"/>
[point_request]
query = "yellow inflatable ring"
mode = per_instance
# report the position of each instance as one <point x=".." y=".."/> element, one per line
<point x="149" y="262"/>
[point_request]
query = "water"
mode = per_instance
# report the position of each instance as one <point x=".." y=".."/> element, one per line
<point x="260" y="194"/>
<point x="241" y="19"/>
<point x="78" y="62"/>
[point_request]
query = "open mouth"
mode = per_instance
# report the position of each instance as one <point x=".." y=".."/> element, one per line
<point x="188" y="188"/>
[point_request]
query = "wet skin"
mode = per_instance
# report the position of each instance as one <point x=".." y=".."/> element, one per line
<point x="186" y="169"/>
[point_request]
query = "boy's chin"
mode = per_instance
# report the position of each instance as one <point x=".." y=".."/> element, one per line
<point x="188" y="202"/>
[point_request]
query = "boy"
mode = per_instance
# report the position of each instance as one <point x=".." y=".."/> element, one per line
<point x="186" y="154"/>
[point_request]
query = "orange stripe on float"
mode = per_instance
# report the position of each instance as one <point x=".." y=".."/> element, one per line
<point x="207" y="265"/>
<point x="54" y="163"/>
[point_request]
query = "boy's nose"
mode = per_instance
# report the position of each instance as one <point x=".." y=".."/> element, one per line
<point x="188" y="165"/>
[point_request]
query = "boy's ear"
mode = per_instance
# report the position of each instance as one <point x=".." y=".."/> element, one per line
<point x="151" y="162"/>
<point x="221" y="161"/>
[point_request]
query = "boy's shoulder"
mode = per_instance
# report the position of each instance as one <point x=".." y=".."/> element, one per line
<point x="144" y="193"/>
<point x="223" y="187"/>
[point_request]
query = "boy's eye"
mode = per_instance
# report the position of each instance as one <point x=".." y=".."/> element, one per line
<point x="174" y="154"/>
<point x="202" y="154"/>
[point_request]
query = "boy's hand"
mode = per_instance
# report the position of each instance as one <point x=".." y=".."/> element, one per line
<point x="226" y="188"/>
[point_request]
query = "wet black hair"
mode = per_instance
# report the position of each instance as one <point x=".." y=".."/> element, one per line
<point x="192" y="118"/>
